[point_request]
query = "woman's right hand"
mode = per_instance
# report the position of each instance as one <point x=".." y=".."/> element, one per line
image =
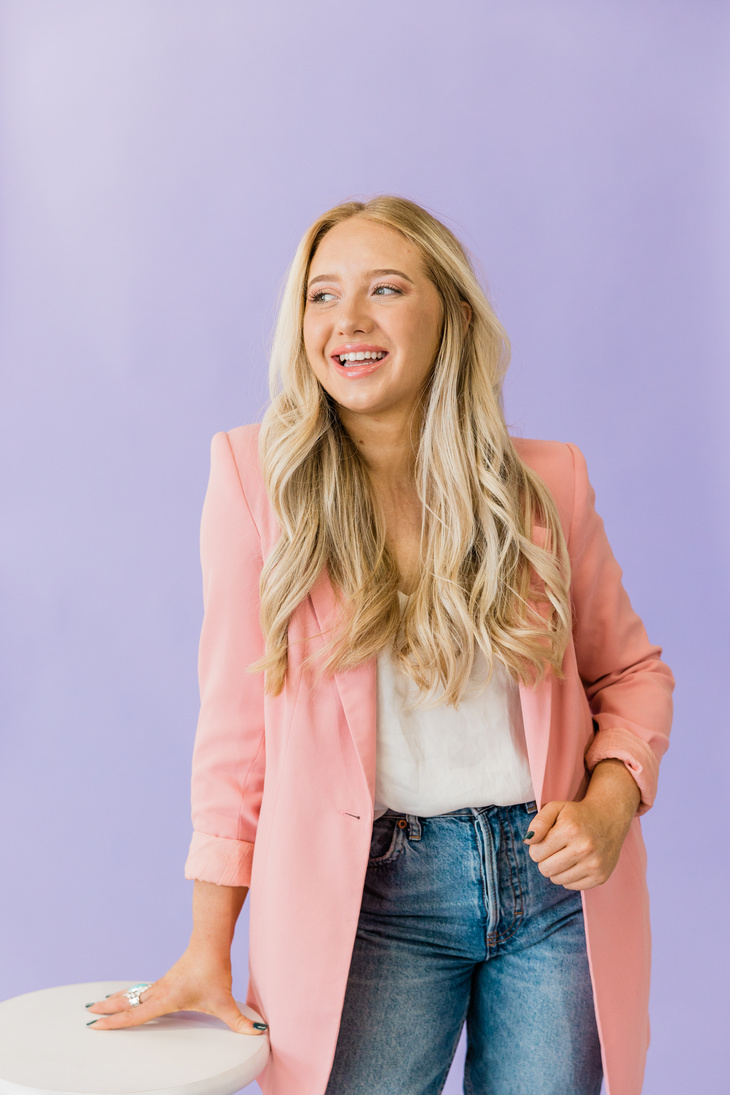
<point x="197" y="982"/>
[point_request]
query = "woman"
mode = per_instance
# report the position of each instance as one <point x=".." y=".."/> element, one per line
<point x="385" y="566"/>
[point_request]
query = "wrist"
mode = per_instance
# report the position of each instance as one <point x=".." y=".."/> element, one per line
<point x="612" y="783"/>
<point x="209" y="952"/>
<point x="215" y="912"/>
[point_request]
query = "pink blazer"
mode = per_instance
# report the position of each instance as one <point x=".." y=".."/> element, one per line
<point x="282" y="788"/>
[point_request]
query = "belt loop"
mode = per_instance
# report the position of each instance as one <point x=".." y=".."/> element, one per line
<point x="414" y="827"/>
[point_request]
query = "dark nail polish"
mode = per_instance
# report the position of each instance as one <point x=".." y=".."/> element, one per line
<point x="108" y="995"/>
<point x="92" y="1022"/>
<point x="529" y="835"/>
<point x="260" y="1026"/>
<point x="90" y="1005"/>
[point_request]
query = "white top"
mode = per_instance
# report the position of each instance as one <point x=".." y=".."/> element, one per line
<point x="432" y="762"/>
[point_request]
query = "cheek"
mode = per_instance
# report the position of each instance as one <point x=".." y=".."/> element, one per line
<point x="309" y="332"/>
<point x="313" y="349"/>
<point x="421" y="332"/>
<point x="314" y="322"/>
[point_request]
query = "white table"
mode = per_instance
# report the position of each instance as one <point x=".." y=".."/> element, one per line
<point x="46" y="1048"/>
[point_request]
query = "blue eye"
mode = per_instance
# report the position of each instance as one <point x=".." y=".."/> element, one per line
<point x="314" y="298"/>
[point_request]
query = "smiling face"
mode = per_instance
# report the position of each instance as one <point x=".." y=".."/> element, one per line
<point x="367" y="292"/>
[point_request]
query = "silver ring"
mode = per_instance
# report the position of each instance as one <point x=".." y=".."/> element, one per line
<point x="133" y="994"/>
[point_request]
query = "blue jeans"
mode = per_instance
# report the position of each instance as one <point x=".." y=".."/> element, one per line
<point x="457" y="924"/>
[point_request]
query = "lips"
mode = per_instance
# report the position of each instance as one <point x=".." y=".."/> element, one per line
<point x="363" y="368"/>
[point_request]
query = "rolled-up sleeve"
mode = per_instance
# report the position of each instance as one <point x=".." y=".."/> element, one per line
<point x="229" y="751"/>
<point x="629" y="687"/>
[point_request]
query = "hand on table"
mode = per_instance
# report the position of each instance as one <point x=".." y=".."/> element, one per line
<point x="194" y="983"/>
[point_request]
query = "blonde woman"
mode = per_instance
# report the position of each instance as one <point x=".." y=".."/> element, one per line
<point x="430" y="719"/>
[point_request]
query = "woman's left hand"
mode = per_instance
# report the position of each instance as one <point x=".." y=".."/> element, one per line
<point x="577" y="844"/>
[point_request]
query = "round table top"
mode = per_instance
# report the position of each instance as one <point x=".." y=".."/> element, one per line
<point x="46" y="1048"/>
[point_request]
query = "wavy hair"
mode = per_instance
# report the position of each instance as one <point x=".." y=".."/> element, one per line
<point x="483" y="581"/>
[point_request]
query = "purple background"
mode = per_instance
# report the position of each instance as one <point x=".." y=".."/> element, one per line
<point x="160" y="162"/>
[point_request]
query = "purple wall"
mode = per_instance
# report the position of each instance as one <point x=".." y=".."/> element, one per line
<point x="160" y="161"/>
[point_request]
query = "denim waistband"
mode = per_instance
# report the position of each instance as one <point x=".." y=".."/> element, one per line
<point x="414" y="822"/>
<point x="468" y="811"/>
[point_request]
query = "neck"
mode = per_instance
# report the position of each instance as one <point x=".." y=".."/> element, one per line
<point x="387" y="446"/>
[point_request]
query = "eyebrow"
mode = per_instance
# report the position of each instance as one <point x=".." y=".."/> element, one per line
<point x="369" y="274"/>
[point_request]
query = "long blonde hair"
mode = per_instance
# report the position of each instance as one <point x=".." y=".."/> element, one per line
<point x="479" y="566"/>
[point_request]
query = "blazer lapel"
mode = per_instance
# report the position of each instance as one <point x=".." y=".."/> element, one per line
<point x="537" y="709"/>
<point x="357" y="687"/>
<point x="536" y="712"/>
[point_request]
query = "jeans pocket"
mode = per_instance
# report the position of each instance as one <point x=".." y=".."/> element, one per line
<point x="387" y="841"/>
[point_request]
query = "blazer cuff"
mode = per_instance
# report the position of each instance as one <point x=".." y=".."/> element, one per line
<point x="638" y="757"/>
<point x="219" y="859"/>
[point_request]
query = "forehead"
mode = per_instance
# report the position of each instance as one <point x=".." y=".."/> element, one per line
<point x="361" y="244"/>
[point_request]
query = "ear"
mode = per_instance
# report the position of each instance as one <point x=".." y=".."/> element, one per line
<point x="466" y="309"/>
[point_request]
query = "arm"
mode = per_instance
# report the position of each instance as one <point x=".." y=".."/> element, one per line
<point x="215" y="912"/>
<point x="228" y="765"/>
<point x="229" y="753"/>
<point x="201" y="979"/>
<point x="612" y="784"/>
<point x="629" y="687"/>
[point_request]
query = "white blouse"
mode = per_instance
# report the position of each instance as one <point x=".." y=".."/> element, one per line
<point x="432" y="762"/>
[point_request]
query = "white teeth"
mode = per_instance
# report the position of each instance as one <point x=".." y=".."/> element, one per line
<point x="361" y="355"/>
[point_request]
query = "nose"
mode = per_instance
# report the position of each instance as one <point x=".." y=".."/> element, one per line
<point x="354" y="326"/>
<point x="353" y="319"/>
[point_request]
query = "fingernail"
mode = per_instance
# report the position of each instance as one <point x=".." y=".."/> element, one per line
<point x="92" y="1022"/>
<point x="529" y="835"/>
<point x="90" y="1005"/>
<point x="108" y="995"/>
<point x="260" y="1026"/>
